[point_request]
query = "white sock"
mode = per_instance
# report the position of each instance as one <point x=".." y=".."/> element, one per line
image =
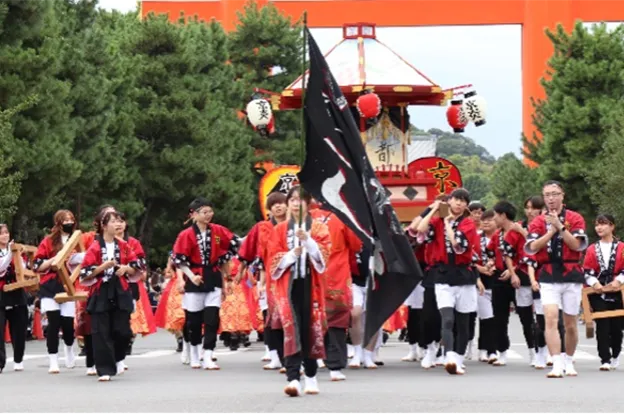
<point x="357" y="352"/>
<point x="557" y="361"/>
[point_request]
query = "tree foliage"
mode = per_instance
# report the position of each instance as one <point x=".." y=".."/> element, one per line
<point x="266" y="52"/>
<point x="513" y="181"/>
<point x="584" y="85"/>
<point x="606" y="179"/>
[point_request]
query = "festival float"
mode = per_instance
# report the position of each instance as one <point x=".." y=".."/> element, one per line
<point x="379" y="85"/>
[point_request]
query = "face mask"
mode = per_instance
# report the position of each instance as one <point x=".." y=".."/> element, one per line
<point x="68" y="228"/>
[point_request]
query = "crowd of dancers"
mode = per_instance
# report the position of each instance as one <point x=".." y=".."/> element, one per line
<point x="300" y="280"/>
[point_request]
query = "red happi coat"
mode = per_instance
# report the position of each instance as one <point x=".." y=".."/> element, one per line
<point x="187" y="250"/>
<point x="447" y="265"/>
<point x="254" y="251"/>
<point x="278" y="248"/>
<point x="604" y="270"/>
<point x="566" y="261"/>
<point x="47" y="278"/>
<point x="494" y="251"/>
<point x="124" y="255"/>
<point x="82" y="319"/>
<point x="338" y="295"/>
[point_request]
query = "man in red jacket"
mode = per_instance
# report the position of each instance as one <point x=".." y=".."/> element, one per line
<point x="557" y="240"/>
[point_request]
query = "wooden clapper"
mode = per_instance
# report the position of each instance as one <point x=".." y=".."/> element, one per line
<point x="60" y="265"/>
<point x="25" y="277"/>
<point x="590" y="316"/>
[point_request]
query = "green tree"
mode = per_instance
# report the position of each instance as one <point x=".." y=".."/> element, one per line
<point x="43" y="136"/>
<point x="585" y="83"/>
<point x="478" y="186"/>
<point x="266" y="52"/>
<point x="606" y="178"/>
<point x="470" y="165"/>
<point x="513" y="181"/>
<point x="10" y="177"/>
<point x="456" y="144"/>
<point x="196" y="145"/>
<point x="102" y="81"/>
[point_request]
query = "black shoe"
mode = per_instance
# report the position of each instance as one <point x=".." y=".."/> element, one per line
<point x="180" y="344"/>
<point x="83" y="352"/>
<point x="260" y="337"/>
<point x="403" y="335"/>
<point x="129" y="349"/>
<point x="385" y="337"/>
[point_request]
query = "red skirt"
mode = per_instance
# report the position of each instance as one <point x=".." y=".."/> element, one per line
<point x="169" y="313"/>
<point x="142" y="319"/>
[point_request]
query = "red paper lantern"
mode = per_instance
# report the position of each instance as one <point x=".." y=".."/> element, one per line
<point x="456" y="116"/>
<point x="369" y="105"/>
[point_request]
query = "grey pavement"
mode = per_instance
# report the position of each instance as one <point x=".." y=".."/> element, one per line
<point x="157" y="382"/>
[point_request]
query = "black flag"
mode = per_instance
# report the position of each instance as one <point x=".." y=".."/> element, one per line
<point x="338" y="174"/>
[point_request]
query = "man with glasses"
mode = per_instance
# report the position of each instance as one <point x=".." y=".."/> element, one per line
<point x="557" y="239"/>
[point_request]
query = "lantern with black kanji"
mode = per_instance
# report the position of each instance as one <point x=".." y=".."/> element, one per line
<point x="475" y="108"/>
<point x="260" y="115"/>
<point x="369" y="105"/>
<point x="456" y="116"/>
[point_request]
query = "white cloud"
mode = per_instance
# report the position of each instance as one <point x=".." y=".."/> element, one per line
<point x="121" y="5"/>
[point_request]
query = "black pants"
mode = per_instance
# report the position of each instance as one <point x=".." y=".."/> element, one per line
<point x="609" y="330"/>
<point x="17" y="317"/>
<point x="57" y="322"/>
<point x="110" y="333"/>
<point x="301" y="313"/>
<point x="455" y="323"/>
<point x="472" y="325"/>
<point x="430" y="320"/>
<point x="186" y="335"/>
<point x="502" y="297"/>
<point x="267" y="329"/>
<point x="487" y="336"/>
<point x="413" y="325"/>
<point x="209" y="318"/>
<point x="88" y="348"/>
<point x="336" y="349"/>
<point x="274" y="338"/>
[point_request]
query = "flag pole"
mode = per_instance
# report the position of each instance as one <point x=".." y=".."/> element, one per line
<point x="303" y="122"/>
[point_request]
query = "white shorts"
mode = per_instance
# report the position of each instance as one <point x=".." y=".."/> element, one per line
<point x="67" y="309"/>
<point x="484" y="305"/>
<point x="462" y="298"/>
<point x="524" y="297"/>
<point x="538" y="307"/>
<point x="566" y="295"/>
<point x="262" y="301"/>
<point x="359" y="296"/>
<point x="197" y="301"/>
<point x="416" y="298"/>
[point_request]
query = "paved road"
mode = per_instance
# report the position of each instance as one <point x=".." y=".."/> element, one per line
<point x="157" y="382"/>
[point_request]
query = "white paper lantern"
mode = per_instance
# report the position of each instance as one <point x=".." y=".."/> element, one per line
<point x="475" y="108"/>
<point x="259" y="113"/>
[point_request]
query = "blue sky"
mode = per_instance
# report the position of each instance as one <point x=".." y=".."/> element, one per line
<point x="489" y="57"/>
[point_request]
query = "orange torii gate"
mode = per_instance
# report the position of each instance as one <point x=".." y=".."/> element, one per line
<point x="534" y="16"/>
